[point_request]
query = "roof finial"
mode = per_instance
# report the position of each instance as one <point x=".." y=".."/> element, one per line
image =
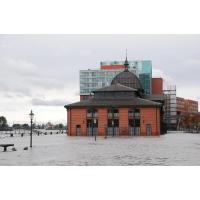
<point x="126" y="64"/>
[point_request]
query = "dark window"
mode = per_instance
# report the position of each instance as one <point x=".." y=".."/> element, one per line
<point x="134" y="113"/>
<point x="137" y="122"/>
<point x="134" y="122"/>
<point x="112" y="123"/>
<point x="134" y="117"/>
<point x="92" y="113"/>
<point x="92" y="123"/>
<point x="113" y="113"/>
<point x="78" y="130"/>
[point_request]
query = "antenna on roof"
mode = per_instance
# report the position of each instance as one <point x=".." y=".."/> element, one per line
<point x="126" y="64"/>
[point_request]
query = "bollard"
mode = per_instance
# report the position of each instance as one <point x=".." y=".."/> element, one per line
<point x="22" y="135"/>
<point x="14" y="149"/>
<point x="11" y="135"/>
<point x="51" y="133"/>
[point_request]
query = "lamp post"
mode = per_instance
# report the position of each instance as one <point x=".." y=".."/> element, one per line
<point x="1" y="123"/>
<point x="92" y="121"/>
<point x="95" y="121"/>
<point x="31" y="118"/>
<point x="112" y="121"/>
<point x="134" y="128"/>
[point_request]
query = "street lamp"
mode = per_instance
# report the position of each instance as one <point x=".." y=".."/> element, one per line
<point x="1" y="123"/>
<point x="31" y="118"/>
<point x="112" y="121"/>
<point x="95" y="121"/>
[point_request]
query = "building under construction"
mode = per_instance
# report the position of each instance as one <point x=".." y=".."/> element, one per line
<point x="170" y="107"/>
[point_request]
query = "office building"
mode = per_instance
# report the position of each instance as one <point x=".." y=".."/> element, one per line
<point x="93" y="79"/>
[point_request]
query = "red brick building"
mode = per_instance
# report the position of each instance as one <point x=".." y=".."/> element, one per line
<point x="112" y="67"/>
<point x="157" y="86"/>
<point x="186" y="106"/>
<point x="119" y="109"/>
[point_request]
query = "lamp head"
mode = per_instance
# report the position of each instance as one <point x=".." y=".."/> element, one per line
<point x="31" y="115"/>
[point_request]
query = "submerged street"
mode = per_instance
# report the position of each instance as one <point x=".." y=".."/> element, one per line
<point x="170" y="149"/>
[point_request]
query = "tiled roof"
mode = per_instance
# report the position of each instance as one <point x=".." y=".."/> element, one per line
<point x="155" y="97"/>
<point x="129" y="79"/>
<point x="135" y="102"/>
<point x="116" y="87"/>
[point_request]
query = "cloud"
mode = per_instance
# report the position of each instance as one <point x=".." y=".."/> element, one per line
<point x="43" y="102"/>
<point x="161" y="74"/>
<point x="42" y="68"/>
<point x="195" y="62"/>
<point x="22" y="77"/>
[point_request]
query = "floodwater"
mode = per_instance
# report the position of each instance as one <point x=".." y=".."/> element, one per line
<point x="58" y="149"/>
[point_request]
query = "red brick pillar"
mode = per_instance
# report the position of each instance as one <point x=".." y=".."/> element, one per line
<point x="79" y="117"/>
<point x="157" y="132"/>
<point x="102" y="121"/>
<point x="150" y="116"/>
<point x="123" y="121"/>
<point x="69" y="121"/>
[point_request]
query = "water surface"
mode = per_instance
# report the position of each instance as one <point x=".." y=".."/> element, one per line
<point x="170" y="149"/>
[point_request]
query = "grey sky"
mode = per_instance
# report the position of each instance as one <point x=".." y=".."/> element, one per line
<point x="41" y="72"/>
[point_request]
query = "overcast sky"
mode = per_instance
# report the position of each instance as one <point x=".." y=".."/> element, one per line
<point x="41" y="72"/>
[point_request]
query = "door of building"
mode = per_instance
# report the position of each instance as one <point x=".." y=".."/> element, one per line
<point x="78" y="130"/>
<point x="149" y="129"/>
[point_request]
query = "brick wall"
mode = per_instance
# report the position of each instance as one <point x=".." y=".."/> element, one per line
<point x="157" y="86"/>
<point x="186" y="106"/>
<point x="84" y="97"/>
<point x="150" y="116"/>
<point x="123" y="121"/>
<point x="78" y="117"/>
<point x="102" y="121"/>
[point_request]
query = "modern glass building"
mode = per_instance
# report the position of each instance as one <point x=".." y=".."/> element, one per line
<point x="93" y="79"/>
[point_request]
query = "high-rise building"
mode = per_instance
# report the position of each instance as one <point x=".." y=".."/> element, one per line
<point x="93" y="79"/>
